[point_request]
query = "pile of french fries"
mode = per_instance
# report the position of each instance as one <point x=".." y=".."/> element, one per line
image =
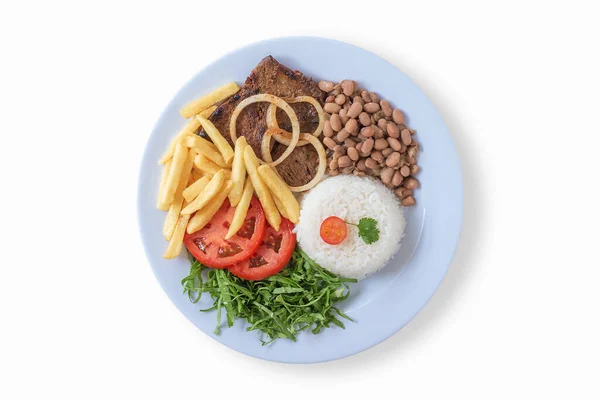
<point x="199" y="175"/>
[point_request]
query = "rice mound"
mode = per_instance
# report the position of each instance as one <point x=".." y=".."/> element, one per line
<point x="351" y="198"/>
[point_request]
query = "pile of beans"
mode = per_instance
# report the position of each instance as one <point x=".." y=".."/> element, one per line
<point x="365" y="136"/>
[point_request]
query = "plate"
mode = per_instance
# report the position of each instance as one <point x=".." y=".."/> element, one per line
<point x="381" y="304"/>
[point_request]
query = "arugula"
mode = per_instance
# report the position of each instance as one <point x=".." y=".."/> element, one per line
<point x="300" y="297"/>
<point x="367" y="230"/>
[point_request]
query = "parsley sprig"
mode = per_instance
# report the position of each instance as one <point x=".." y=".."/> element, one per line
<point x="300" y="297"/>
<point x="367" y="230"/>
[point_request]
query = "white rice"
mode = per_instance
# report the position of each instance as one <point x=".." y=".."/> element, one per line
<point x="351" y="198"/>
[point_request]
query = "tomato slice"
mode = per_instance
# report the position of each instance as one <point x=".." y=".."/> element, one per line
<point x="272" y="255"/>
<point x="209" y="246"/>
<point x="333" y="230"/>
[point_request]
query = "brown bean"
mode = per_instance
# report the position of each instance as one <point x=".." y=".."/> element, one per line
<point x="397" y="178"/>
<point x="336" y="122"/>
<point x="336" y="90"/>
<point x="392" y="130"/>
<point x="358" y="173"/>
<point x="336" y="156"/>
<point x="412" y="151"/>
<point x="330" y="99"/>
<point x="405" y="171"/>
<point x="340" y="99"/>
<point x="333" y="172"/>
<point x="406" y="138"/>
<point x="344" y="161"/>
<point x="364" y="118"/>
<point x="358" y="147"/>
<point x="342" y="135"/>
<point x="326" y="86"/>
<point x="365" y="96"/>
<point x="393" y="159"/>
<point x="349" y="143"/>
<point x="348" y="87"/>
<point x="382" y="124"/>
<point x="370" y="163"/>
<point x="352" y="126"/>
<point x="377" y="156"/>
<point x="386" y="175"/>
<point x="387" y="151"/>
<point x="369" y="107"/>
<point x="399" y="191"/>
<point x="360" y="165"/>
<point x="403" y="149"/>
<point x="379" y="134"/>
<point x="378" y="116"/>
<point x="339" y="150"/>
<point x="380" y="144"/>
<point x="398" y="116"/>
<point x="411" y="183"/>
<point x="327" y="129"/>
<point x="332" y="108"/>
<point x="343" y="116"/>
<point x="414" y="169"/>
<point x="394" y="143"/>
<point x="387" y="109"/>
<point x="367" y="131"/>
<point x="374" y="97"/>
<point x="408" y="201"/>
<point x="368" y="145"/>
<point x="348" y="169"/>
<point x="412" y="160"/>
<point x="355" y="110"/>
<point x="407" y="192"/>
<point x="358" y="99"/>
<point x="333" y="164"/>
<point x="329" y="142"/>
<point x="353" y="153"/>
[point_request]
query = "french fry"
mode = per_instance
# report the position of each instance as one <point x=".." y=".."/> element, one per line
<point x="281" y="191"/>
<point x="188" y="129"/>
<point x="217" y="139"/>
<point x="195" y="188"/>
<point x="241" y="210"/>
<point x="205" y="147"/>
<point x="179" y="157"/>
<point x="205" y="165"/>
<point x="203" y="216"/>
<point x="281" y="207"/>
<point x="196" y="173"/>
<point x="176" y="242"/>
<point x="196" y="106"/>
<point x="207" y="194"/>
<point x="161" y="188"/>
<point x="238" y="172"/>
<point x="175" y="208"/>
<point x="262" y="191"/>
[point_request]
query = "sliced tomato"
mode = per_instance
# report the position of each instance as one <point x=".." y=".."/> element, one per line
<point x="333" y="230"/>
<point x="209" y="246"/>
<point x="272" y="255"/>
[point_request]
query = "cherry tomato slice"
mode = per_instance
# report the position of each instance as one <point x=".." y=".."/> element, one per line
<point x="333" y="230"/>
<point x="272" y="255"/>
<point x="209" y="246"/>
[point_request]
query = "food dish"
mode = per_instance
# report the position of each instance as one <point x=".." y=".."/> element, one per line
<point x="273" y="194"/>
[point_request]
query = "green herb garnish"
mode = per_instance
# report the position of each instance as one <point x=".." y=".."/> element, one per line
<point x="367" y="230"/>
<point x="300" y="297"/>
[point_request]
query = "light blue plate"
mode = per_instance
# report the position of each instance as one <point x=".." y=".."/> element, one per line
<point x="384" y="302"/>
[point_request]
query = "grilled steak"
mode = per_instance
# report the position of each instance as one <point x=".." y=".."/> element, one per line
<point x="271" y="77"/>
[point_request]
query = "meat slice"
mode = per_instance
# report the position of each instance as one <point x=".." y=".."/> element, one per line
<point x="271" y="77"/>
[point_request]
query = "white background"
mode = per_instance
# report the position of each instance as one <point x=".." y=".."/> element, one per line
<point x="81" y="86"/>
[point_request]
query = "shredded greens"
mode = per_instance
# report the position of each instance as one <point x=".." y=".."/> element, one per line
<point x="300" y="297"/>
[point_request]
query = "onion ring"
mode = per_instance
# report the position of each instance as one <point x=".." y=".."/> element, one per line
<point x="272" y="119"/>
<point x="266" y="151"/>
<point x="257" y="98"/>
